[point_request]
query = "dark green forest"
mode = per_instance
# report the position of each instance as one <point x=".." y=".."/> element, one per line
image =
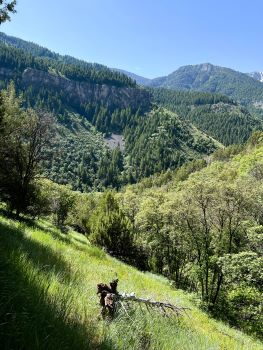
<point x="217" y="115"/>
<point x="155" y="139"/>
<point x="18" y="60"/>
<point x="81" y="158"/>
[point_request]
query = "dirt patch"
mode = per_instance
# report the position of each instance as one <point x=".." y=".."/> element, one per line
<point x="115" y="141"/>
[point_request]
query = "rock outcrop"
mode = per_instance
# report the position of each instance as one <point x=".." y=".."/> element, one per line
<point x="83" y="92"/>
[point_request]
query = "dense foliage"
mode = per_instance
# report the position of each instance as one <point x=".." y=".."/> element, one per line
<point x="6" y="8"/>
<point x="160" y="141"/>
<point x="18" y="59"/>
<point x="48" y="299"/>
<point x="201" y="228"/>
<point x="154" y="142"/>
<point x="23" y="137"/>
<point x="214" y="114"/>
<point x="198" y="222"/>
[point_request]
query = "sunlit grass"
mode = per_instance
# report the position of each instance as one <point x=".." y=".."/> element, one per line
<point x="48" y="299"/>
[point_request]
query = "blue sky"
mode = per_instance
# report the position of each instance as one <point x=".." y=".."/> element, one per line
<point x="148" y="37"/>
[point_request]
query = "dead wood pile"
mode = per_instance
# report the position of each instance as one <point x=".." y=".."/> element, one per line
<point x="111" y="299"/>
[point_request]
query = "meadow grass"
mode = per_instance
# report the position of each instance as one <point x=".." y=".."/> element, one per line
<point x="48" y="299"/>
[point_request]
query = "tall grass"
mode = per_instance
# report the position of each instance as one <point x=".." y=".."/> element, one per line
<point x="48" y="299"/>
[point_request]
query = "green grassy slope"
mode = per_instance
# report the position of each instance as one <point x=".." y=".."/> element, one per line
<point x="48" y="299"/>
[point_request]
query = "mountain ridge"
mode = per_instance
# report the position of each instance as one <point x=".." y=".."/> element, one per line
<point x="215" y="79"/>
<point x="244" y="88"/>
<point x="160" y="131"/>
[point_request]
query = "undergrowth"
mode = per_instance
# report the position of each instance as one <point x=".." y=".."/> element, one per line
<point x="48" y="299"/>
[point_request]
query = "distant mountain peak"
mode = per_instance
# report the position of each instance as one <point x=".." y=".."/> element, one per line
<point x="206" y="67"/>
<point x="139" y="79"/>
<point x="256" y="75"/>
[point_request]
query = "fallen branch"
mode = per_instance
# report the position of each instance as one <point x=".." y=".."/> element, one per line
<point x="163" y="306"/>
<point x="110" y="299"/>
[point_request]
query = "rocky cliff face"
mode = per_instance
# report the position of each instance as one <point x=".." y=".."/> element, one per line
<point x="83" y="92"/>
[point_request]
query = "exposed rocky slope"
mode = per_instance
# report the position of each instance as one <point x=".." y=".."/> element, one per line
<point x="82" y="92"/>
<point x="77" y="93"/>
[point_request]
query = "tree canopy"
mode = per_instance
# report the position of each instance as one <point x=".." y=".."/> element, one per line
<point x="6" y="8"/>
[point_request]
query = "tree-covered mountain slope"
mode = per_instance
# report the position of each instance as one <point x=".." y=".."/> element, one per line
<point x="69" y="66"/>
<point x="162" y="140"/>
<point x="217" y="115"/>
<point x="84" y="103"/>
<point x="74" y="85"/>
<point x="242" y="87"/>
<point x="76" y="154"/>
<point x="90" y="102"/>
<point x="48" y="299"/>
<point x="153" y="143"/>
<point x="209" y="78"/>
<point x="203" y="77"/>
<point x="80" y="155"/>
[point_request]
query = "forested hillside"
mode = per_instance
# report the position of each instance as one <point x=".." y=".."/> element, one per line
<point x="65" y="85"/>
<point x="37" y="57"/>
<point x="162" y="141"/>
<point x="87" y="100"/>
<point x="217" y="115"/>
<point x="79" y="155"/>
<point x="48" y="299"/>
<point x="209" y="78"/>
<point x="201" y="226"/>
<point x="90" y="102"/>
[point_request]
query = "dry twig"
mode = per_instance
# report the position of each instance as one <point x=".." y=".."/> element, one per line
<point x="110" y="298"/>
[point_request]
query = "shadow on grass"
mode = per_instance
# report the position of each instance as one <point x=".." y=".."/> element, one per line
<point x="60" y="235"/>
<point x="29" y="318"/>
<point x="40" y="255"/>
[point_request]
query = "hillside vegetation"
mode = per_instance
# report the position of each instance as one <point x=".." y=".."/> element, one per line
<point x="201" y="226"/>
<point x="79" y="156"/>
<point x="209" y="78"/>
<point x="19" y="55"/>
<point x="90" y="102"/>
<point x="217" y="115"/>
<point x="79" y="150"/>
<point x="131" y="209"/>
<point x="48" y="299"/>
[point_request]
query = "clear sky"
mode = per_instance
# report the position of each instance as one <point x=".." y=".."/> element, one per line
<point x="148" y="37"/>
